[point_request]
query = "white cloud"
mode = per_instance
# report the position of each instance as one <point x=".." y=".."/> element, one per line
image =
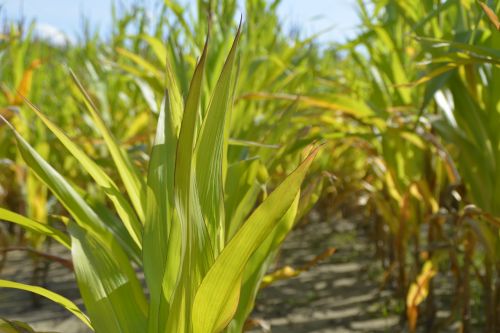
<point x="52" y="34"/>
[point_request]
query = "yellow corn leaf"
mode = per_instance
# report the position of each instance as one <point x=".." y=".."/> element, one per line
<point x="25" y="85"/>
<point x="341" y="103"/>
<point x="284" y="273"/>
<point x="491" y="15"/>
<point x="289" y="272"/>
<point x="391" y="187"/>
<point x="429" y="76"/>
<point x="418" y="292"/>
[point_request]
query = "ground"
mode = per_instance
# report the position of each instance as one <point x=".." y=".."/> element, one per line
<point x="340" y="295"/>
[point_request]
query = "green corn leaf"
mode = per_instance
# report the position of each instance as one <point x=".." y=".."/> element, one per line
<point x="175" y="99"/>
<point x="103" y="271"/>
<point x="258" y="265"/>
<point x="37" y="227"/>
<point x="148" y="94"/>
<point x="475" y="49"/>
<point x="146" y="65"/>
<point x="110" y="289"/>
<point x="209" y="152"/>
<point x="165" y="153"/>
<point x="179" y="11"/>
<point x="241" y="192"/>
<point x="217" y="297"/>
<point x="396" y="69"/>
<point x="63" y="301"/>
<point x="124" y="210"/>
<point x="116" y="227"/>
<point x="159" y="210"/>
<point x="187" y="135"/>
<point x="65" y="193"/>
<point x="158" y="48"/>
<point x="70" y="199"/>
<point x="132" y="181"/>
<point x="195" y="253"/>
<point x="12" y="326"/>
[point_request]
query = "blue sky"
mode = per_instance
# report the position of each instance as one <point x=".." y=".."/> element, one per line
<point x="310" y="15"/>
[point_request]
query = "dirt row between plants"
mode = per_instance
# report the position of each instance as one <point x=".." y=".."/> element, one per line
<point x="339" y="295"/>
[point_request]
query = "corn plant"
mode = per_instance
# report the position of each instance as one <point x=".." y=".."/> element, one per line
<point x="276" y="63"/>
<point x="200" y="277"/>
<point x="20" y="188"/>
<point x="426" y="180"/>
<point x="34" y="68"/>
<point x="464" y="74"/>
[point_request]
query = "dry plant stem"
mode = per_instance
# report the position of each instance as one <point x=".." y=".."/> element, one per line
<point x="378" y="238"/>
<point x="466" y="311"/>
<point x="401" y="257"/>
<point x="489" y="297"/>
<point x="49" y="257"/>
<point x="430" y="307"/>
<point x="497" y="301"/>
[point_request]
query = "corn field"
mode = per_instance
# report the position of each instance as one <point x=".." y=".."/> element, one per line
<point x="163" y="168"/>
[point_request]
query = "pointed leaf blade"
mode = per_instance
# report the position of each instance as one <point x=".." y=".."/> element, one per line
<point x="214" y="303"/>
<point x="63" y="301"/>
<point x="31" y="225"/>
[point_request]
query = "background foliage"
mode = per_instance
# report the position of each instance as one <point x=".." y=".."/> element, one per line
<point x="407" y="110"/>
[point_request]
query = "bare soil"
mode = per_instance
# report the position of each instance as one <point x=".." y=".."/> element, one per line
<point x="340" y="295"/>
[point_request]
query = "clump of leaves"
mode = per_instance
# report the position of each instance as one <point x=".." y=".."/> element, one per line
<point x="201" y="277"/>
